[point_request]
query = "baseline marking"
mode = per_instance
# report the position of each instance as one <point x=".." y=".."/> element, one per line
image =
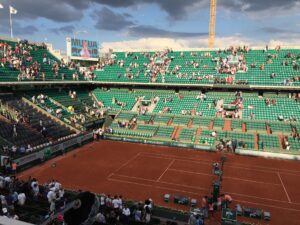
<point x="124" y="164"/>
<point x="162" y="182"/>
<point x="186" y="186"/>
<point x="171" y="163"/>
<point x="233" y="178"/>
<point x="199" y="188"/>
<point x="286" y="193"/>
<point x="197" y="194"/>
<point x="234" y="165"/>
<point x="154" y="186"/>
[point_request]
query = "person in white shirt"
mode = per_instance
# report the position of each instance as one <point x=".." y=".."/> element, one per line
<point x="21" y="199"/>
<point x="115" y="202"/>
<point x="35" y="188"/>
<point x="7" y="179"/>
<point x="125" y="213"/>
<point x="5" y="212"/>
<point x="102" y="201"/>
<point x="29" y="148"/>
<point x="214" y="134"/>
<point x="61" y="193"/>
<point x="57" y="185"/>
<point x="100" y="218"/>
<point x="108" y="201"/>
<point x="120" y="202"/>
<point x="51" y="196"/>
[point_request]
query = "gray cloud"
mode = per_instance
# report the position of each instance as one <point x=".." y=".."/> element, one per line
<point x="26" y="30"/>
<point x="179" y="9"/>
<point x="63" y="30"/>
<point x="109" y="20"/>
<point x="257" y="5"/>
<point x="275" y="30"/>
<point x="18" y="29"/>
<point x="150" y="31"/>
<point x="73" y="10"/>
<point x="55" y="10"/>
<point x="176" y="9"/>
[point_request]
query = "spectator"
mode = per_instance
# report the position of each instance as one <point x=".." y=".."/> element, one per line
<point x="126" y="213"/>
<point x="21" y="199"/>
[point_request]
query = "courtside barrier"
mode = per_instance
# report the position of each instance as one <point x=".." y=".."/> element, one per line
<point x="160" y="142"/>
<point x="50" y="151"/>
<point x="274" y="155"/>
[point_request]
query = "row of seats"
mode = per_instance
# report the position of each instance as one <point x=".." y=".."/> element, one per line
<point x="207" y="66"/>
<point x="37" y="53"/>
<point x="185" y="103"/>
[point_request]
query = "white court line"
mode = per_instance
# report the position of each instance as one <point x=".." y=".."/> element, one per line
<point x="233" y="178"/>
<point x="199" y="188"/>
<point x="162" y="182"/>
<point x="234" y="165"/>
<point x="124" y="164"/>
<point x="138" y="178"/>
<point x="197" y="194"/>
<point x="154" y="186"/>
<point x="203" y="162"/>
<point x="261" y="198"/>
<point x="286" y="193"/>
<point x="271" y="206"/>
<point x="162" y="156"/>
<point x="190" y="186"/>
<point x="171" y="163"/>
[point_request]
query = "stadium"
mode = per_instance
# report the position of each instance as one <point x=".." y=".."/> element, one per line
<point x="117" y="112"/>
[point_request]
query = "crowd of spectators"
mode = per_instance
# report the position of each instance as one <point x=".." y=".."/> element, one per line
<point x="225" y="63"/>
<point x="17" y="194"/>
<point x="19" y="58"/>
<point x="113" y="209"/>
<point x="80" y="116"/>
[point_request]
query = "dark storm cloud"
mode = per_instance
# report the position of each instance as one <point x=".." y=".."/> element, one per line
<point x="106" y="19"/>
<point x="55" y="10"/>
<point x="26" y="30"/>
<point x="179" y="9"/>
<point x="63" y="30"/>
<point x="150" y="31"/>
<point x="176" y="9"/>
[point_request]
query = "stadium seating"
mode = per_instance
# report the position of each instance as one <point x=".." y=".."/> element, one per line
<point x="268" y="142"/>
<point x="54" y="130"/>
<point x="187" y="135"/>
<point x="37" y="53"/>
<point x="61" y="100"/>
<point x="174" y="114"/>
<point x="207" y="62"/>
<point x="24" y="136"/>
<point x="162" y="124"/>
<point x="164" y="132"/>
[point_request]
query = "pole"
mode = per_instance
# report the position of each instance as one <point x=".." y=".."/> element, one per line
<point x="11" y="29"/>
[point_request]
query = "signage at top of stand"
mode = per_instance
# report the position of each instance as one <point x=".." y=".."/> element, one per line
<point x="82" y="49"/>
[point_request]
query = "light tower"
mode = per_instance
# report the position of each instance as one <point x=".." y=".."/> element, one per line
<point x="212" y="24"/>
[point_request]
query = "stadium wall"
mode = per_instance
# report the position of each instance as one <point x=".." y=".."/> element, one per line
<point x="273" y="155"/>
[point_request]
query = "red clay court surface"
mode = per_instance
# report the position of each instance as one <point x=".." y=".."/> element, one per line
<point x="139" y="171"/>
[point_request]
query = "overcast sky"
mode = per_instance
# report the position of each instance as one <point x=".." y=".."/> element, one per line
<point x="153" y="23"/>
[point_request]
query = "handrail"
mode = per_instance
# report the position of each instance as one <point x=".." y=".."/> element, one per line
<point x="163" y="85"/>
<point x="49" y="115"/>
<point x="5" y="108"/>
